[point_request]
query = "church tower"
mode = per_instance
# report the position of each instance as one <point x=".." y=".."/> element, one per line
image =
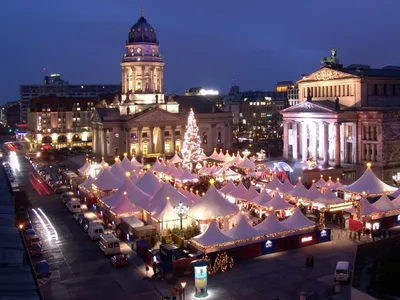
<point x="142" y="66"/>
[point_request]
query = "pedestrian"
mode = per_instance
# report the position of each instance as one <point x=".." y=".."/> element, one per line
<point x="312" y="262"/>
<point x="174" y="293"/>
<point x="180" y="293"/>
<point x="359" y="234"/>
<point x="384" y="233"/>
<point x="307" y="262"/>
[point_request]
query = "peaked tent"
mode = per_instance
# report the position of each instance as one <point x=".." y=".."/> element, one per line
<point x="102" y="163"/>
<point x="212" y="236"/>
<point x="87" y="184"/>
<point x="158" y="166"/>
<point x="321" y="182"/>
<point x="370" y="184"/>
<point x="243" y="230"/>
<point x="246" y="164"/>
<point x="277" y="203"/>
<point x="238" y="191"/>
<point x="250" y="194"/>
<point x="228" y="187"/>
<point x="176" y="159"/>
<point x="187" y="176"/>
<point x="271" y="225"/>
<point x="221" y="156"/>
<point x="107" y="181"/>
<point x="135" y="163"/>
<point x="328" y="198"/>
<point x="273" y="184"/>
<point x="384" y="203"/>
<point x="127" y="165"/>
<point x="367" y="208"/>
<point x="298" y="220"/>
<point x="212" y="205"/>
<point x="124" y="206"/>
<point x="313" y="192"/>
<point x="286" y="186"/>
<point x="214" y="155"/>
<point x="117" y="170"/>
<point x="149" y="183"/>
<point x="167" y="213"/>
<point x="85" y="168"/>
<point x="396" y="193"/>
<point x="329" y="184"/>
<point x="159" y="200"/>
<point x="135" y="195"/>
<point x="203" y="155"/>
<point x="262" y="199"/>
<point x="396" y="202"/>
<point x="337" y="185"/>
<point x="299" y="190"/>
<point x="228" y="157"/>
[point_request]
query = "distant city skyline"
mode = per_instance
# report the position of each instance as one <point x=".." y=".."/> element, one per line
<point x="204" y="43"/>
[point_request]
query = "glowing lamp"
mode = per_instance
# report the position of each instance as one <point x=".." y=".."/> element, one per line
<point x="183" y="285"/>
<point x="125" y="154"/>
<point x="106" y="165"/>
<point x="21" y="226"/>
<point x="124" y="193"/>
<point x="212" y="181"/>
<point x="369" y="164"/>
<point x="127" y="174"/>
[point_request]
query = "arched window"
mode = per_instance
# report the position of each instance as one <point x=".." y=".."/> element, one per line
<point x="204" y="137"/>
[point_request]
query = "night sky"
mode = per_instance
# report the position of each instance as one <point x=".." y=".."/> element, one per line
<point x="204" y="42"/>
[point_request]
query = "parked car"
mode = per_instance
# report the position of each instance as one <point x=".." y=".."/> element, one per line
<point x="34" y="240"/>
<point x="35" y="250"/>
<point x="29" y="233"/>
<point x="78" y="216"/>
<point x="120" y="260"/>
<point x="42" y="269"/>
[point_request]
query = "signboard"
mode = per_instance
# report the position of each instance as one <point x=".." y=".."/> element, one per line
<point x="268" y="247"/>
<point x="323" y="235"/>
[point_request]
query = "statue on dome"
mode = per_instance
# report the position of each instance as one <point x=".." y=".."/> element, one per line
<point x="332" y="60"/>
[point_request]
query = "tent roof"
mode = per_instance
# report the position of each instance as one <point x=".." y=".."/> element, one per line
<point x="242" y="230"/>
<point x="262" y="199"/>
<point x="321" y="182"/>
<point x="271" y="225"/>
<point x="221" y="156"/>
<point x="277" y="203"/>
<point x="369" y="183"/>
<point x="158" y="167"/>
<point x="135" y="195"/>
<point x="159" y="200"/>
<point x="273" y="184"/>
<point x="127" y="165"/>
<point x="228" y="157"/>
<point x="313" y="192"/>
<point x="212" y="204"/>
<point x="286" y="186"/>
<point x="117" y="170"/>
<point x="135" y="163"/>
<point x="87" y="184"/>
<point x="228" y="187"/>
<point x="328" y="198"/>
<point x="298" y="220"/>
<point x="85" y="168"/>
<point x="246" y="164"/>
<point x="250" y="194"/>
<point x="102" y="163"/>
<point x="299" y="190"/>
<point x="396" y="202"/>
<point x="124" y="206"/>
<point x="214" y="155"/>
<point x="167" y="213"/>
<point x="238" y="191"/>
<point x="336" y="185"/>
<point x="107" y="181"/>
<point x="212" y="236"/>
<point x="396" y="193"/>
<point x="149" y="183"/>
<point x="176" y="159"/>
<point x="367" y="208"/>
<point x="187" y="176"/>
<point x="384" y="203"/>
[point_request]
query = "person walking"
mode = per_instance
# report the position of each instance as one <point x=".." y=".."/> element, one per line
<point x="174" y="293"/>
<point x="307" y="262"/>
<point x="180" y="293"/>
<point x="359" y="234"/>
<point x="312" y="262"/>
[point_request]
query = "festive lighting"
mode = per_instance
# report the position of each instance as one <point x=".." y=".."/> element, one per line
<point x="212" y="181"/>
<point x="125" y="154"/>
<point x="369" y="164"/>
<point x="191" y="148"/>
<point x="222" y="263"/>
<point x="127" y="174"/>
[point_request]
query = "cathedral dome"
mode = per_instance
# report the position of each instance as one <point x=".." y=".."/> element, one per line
<point x="142" y="32"/>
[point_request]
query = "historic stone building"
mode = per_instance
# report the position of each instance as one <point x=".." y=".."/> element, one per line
<point x="141" y="121"/>
<point x="346" y="115"/>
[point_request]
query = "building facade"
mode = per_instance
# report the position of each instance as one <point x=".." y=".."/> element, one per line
<point x="142" y="121"/>
<point x="346" y="116"/>
<point x="10" y="113"/>
<point x="54" y="85"/>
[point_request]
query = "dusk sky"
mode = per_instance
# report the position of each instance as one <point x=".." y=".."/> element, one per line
<point x="204" y="42"/>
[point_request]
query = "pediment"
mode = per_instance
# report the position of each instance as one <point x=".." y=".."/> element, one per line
<point x="325" y="74"/>
<point x="158" y="115"/>
<point x="309" y="107"/>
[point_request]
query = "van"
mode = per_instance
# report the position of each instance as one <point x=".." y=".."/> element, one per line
<point x="74" y="206"/>
<point x="95" y="229"/>
<point x="109" y="244"/>
<point x="342" y="271"/>
<point x="33" y="240"/>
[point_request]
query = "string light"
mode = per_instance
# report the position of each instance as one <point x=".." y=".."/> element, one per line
<point x="191" y="148"/>
<point x="222" y="263"/>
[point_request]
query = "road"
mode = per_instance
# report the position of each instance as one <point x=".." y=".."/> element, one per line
<point x="79" y="269"/>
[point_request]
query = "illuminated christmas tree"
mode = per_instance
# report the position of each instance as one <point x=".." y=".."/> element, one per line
<point x="191" y="148"/>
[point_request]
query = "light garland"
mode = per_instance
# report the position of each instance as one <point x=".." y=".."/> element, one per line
<point x="191" y="148"/>
<point x="222" y="263"/>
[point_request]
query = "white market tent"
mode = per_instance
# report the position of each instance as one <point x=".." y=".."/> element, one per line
<point x="126" y="164"/>
<point x="221" y="156"/>
<point x="271" y="225"/>
<point x="396" y="193"/>
<point x="135" y="195"/>
<point x="212" y="236"/>
<point x="329" y="184"/>
<point x="277" y="203"/>
<point x="367" y="208"/>
<point x="212" y="205"/>
<point x="384" y="203"/>
<point x="273" y="184"/>
<point x="298" y="220"/>
<point x="313" y="193"/>
<point x="238" y="191"/>
<point x="166" y="214"/>
<point x="299" y="190"/>
<point x="228" y="157"/>
<point x="214" y="155"/>
<point x="177" y="173"/>
<point x="203" y="155"/>
<point x="262" y="199"/>
<point x="87" y="184"/>
<point x="246" y="164"/>
<point x="396" y="202"/>
<point x="321" y="182"/>
<point x="85" y="168"/>
<point x="337" y="185"/>
<point x="286" y="186"/>
<point x="158" y="166"/>
<point x="102" y="163"/>
<point x="243" y="230"/>
<point x="370" y="184"/>
<point x="171" y="170"/>
<point x="107" y="181"/>
<point x="176" y="159"/>
<point x="228" y="187"/>
<point x="250" y="194"/>
<point x="135" y="176"/>
<point x="230" y="174"/>
<point x="328" y="198"/>
<point x="124" y="207"/>
<point x="159" y="200"/>
<point x="117" y="170"/>
<point x="186" y="176"/>
<point x="149" y="183"/>
<point x="135" y="163"/>
<point x="192" y="196"/>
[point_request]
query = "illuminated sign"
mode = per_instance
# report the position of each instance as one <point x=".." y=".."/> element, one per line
<point x="323" y="233"/>
<point x="204" y="92"/>
<point x="306" y="239"/>
<point x="398" y="218"/>
<point x="268" y="244"/>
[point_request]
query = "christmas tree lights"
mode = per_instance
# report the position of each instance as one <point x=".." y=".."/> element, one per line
<point x="191" y="148"/>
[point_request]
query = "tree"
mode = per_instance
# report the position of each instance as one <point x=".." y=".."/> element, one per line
<point x="191" y="148"/>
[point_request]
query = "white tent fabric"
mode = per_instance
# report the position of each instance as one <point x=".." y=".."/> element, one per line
<point x="277" y="203"/>
<point x="313" y="193"/>
<point x="212" y="236"/>
<point x="328" y="198"/>
<point x="271" y="225"/>
<point x="221" y="156"/>
<point x="159" y="200"/>
<point x="367" y="208"/>
<point x="243" y="230"/>
<point x="171" y="170"/>
<point x="214" y="155"/>
<point x="192" y="196"/>
<point x="246" y="164"/>
<point x="158" y="166"/>
<point x="286" y="186"/>
<point x="203" y="155"/>
<point x="125" y="206"/>
<point x="273" y="184"/>
<point x="117" y="170"/>
<point x="178" y="172"/>
<point x="135" y="163"/>
<point x="396" y="193"/>
<point x="85" y="168"/>
<point x="337" y="185"/>
<point x="228" y="157"/>
<point x="167" y="213"/>
<point x="238" y="191"/>
<point x="186" y="176"/>
<point x="102" y="163"/>
<point x="396" y="202"/>
<point x="298" y="220"/>
<point x="384" y="203"/>
<point x="135" y="194"/>
<point x="176" y="159"/>
<point x="262" y="199"/>
<point x="149" y="183"/>
<point x="321" y="182"/>
<point x="250" y="194"/>
<point x="299" y="190"/>
<point x="211" y="205"/>
<point x="370" y="184"/>
<point x="134" y="176"/>
<point x="107" y="181"/>
<point x="87" y="184"/>
<point x="127" y="165"/>
<point x="329" y="184"/>
<point x="228" y="187"/>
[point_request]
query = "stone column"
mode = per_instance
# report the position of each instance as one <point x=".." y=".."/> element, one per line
<point x="304" y="141"/>
<point x="295" y="144"/>
<point x="151" y="150"/>
<point x="325" y="149"/>
<point x="162" y="129"/>
<point x="337" y="145"/>
<point x="162" y="80"/>
<point x="123" y="82"/>
<point x="354" y="142"/>
<point x="173" y="139"/>
<point x="139" y="132"/>
<point x="285" y="139"/>
<point x="373" y="158"/>
<point x="314" y="136"/>
<point x="143" y="78"/>
<point x="127" y="140"/>
<point x="133" y="79"/>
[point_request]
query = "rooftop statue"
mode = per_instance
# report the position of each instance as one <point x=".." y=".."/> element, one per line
<point x="332" y="60"/>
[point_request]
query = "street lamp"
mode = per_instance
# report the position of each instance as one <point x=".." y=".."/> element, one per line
<point x="183" y="285"/>
<point x="181" y="210"/>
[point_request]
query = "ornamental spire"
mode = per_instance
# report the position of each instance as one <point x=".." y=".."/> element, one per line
<point x="142" y="11"/>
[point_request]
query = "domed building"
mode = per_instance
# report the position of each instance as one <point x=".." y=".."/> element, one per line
<point x="141" y="121"/>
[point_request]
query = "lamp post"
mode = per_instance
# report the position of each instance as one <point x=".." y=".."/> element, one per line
<point x="181" y="210"/>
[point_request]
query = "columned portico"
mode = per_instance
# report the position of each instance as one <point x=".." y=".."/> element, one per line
<point x="304" y="141"/>
<point x="325" y="149"/>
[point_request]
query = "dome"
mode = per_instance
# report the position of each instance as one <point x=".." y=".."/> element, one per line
<point x="142" y="32"/>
